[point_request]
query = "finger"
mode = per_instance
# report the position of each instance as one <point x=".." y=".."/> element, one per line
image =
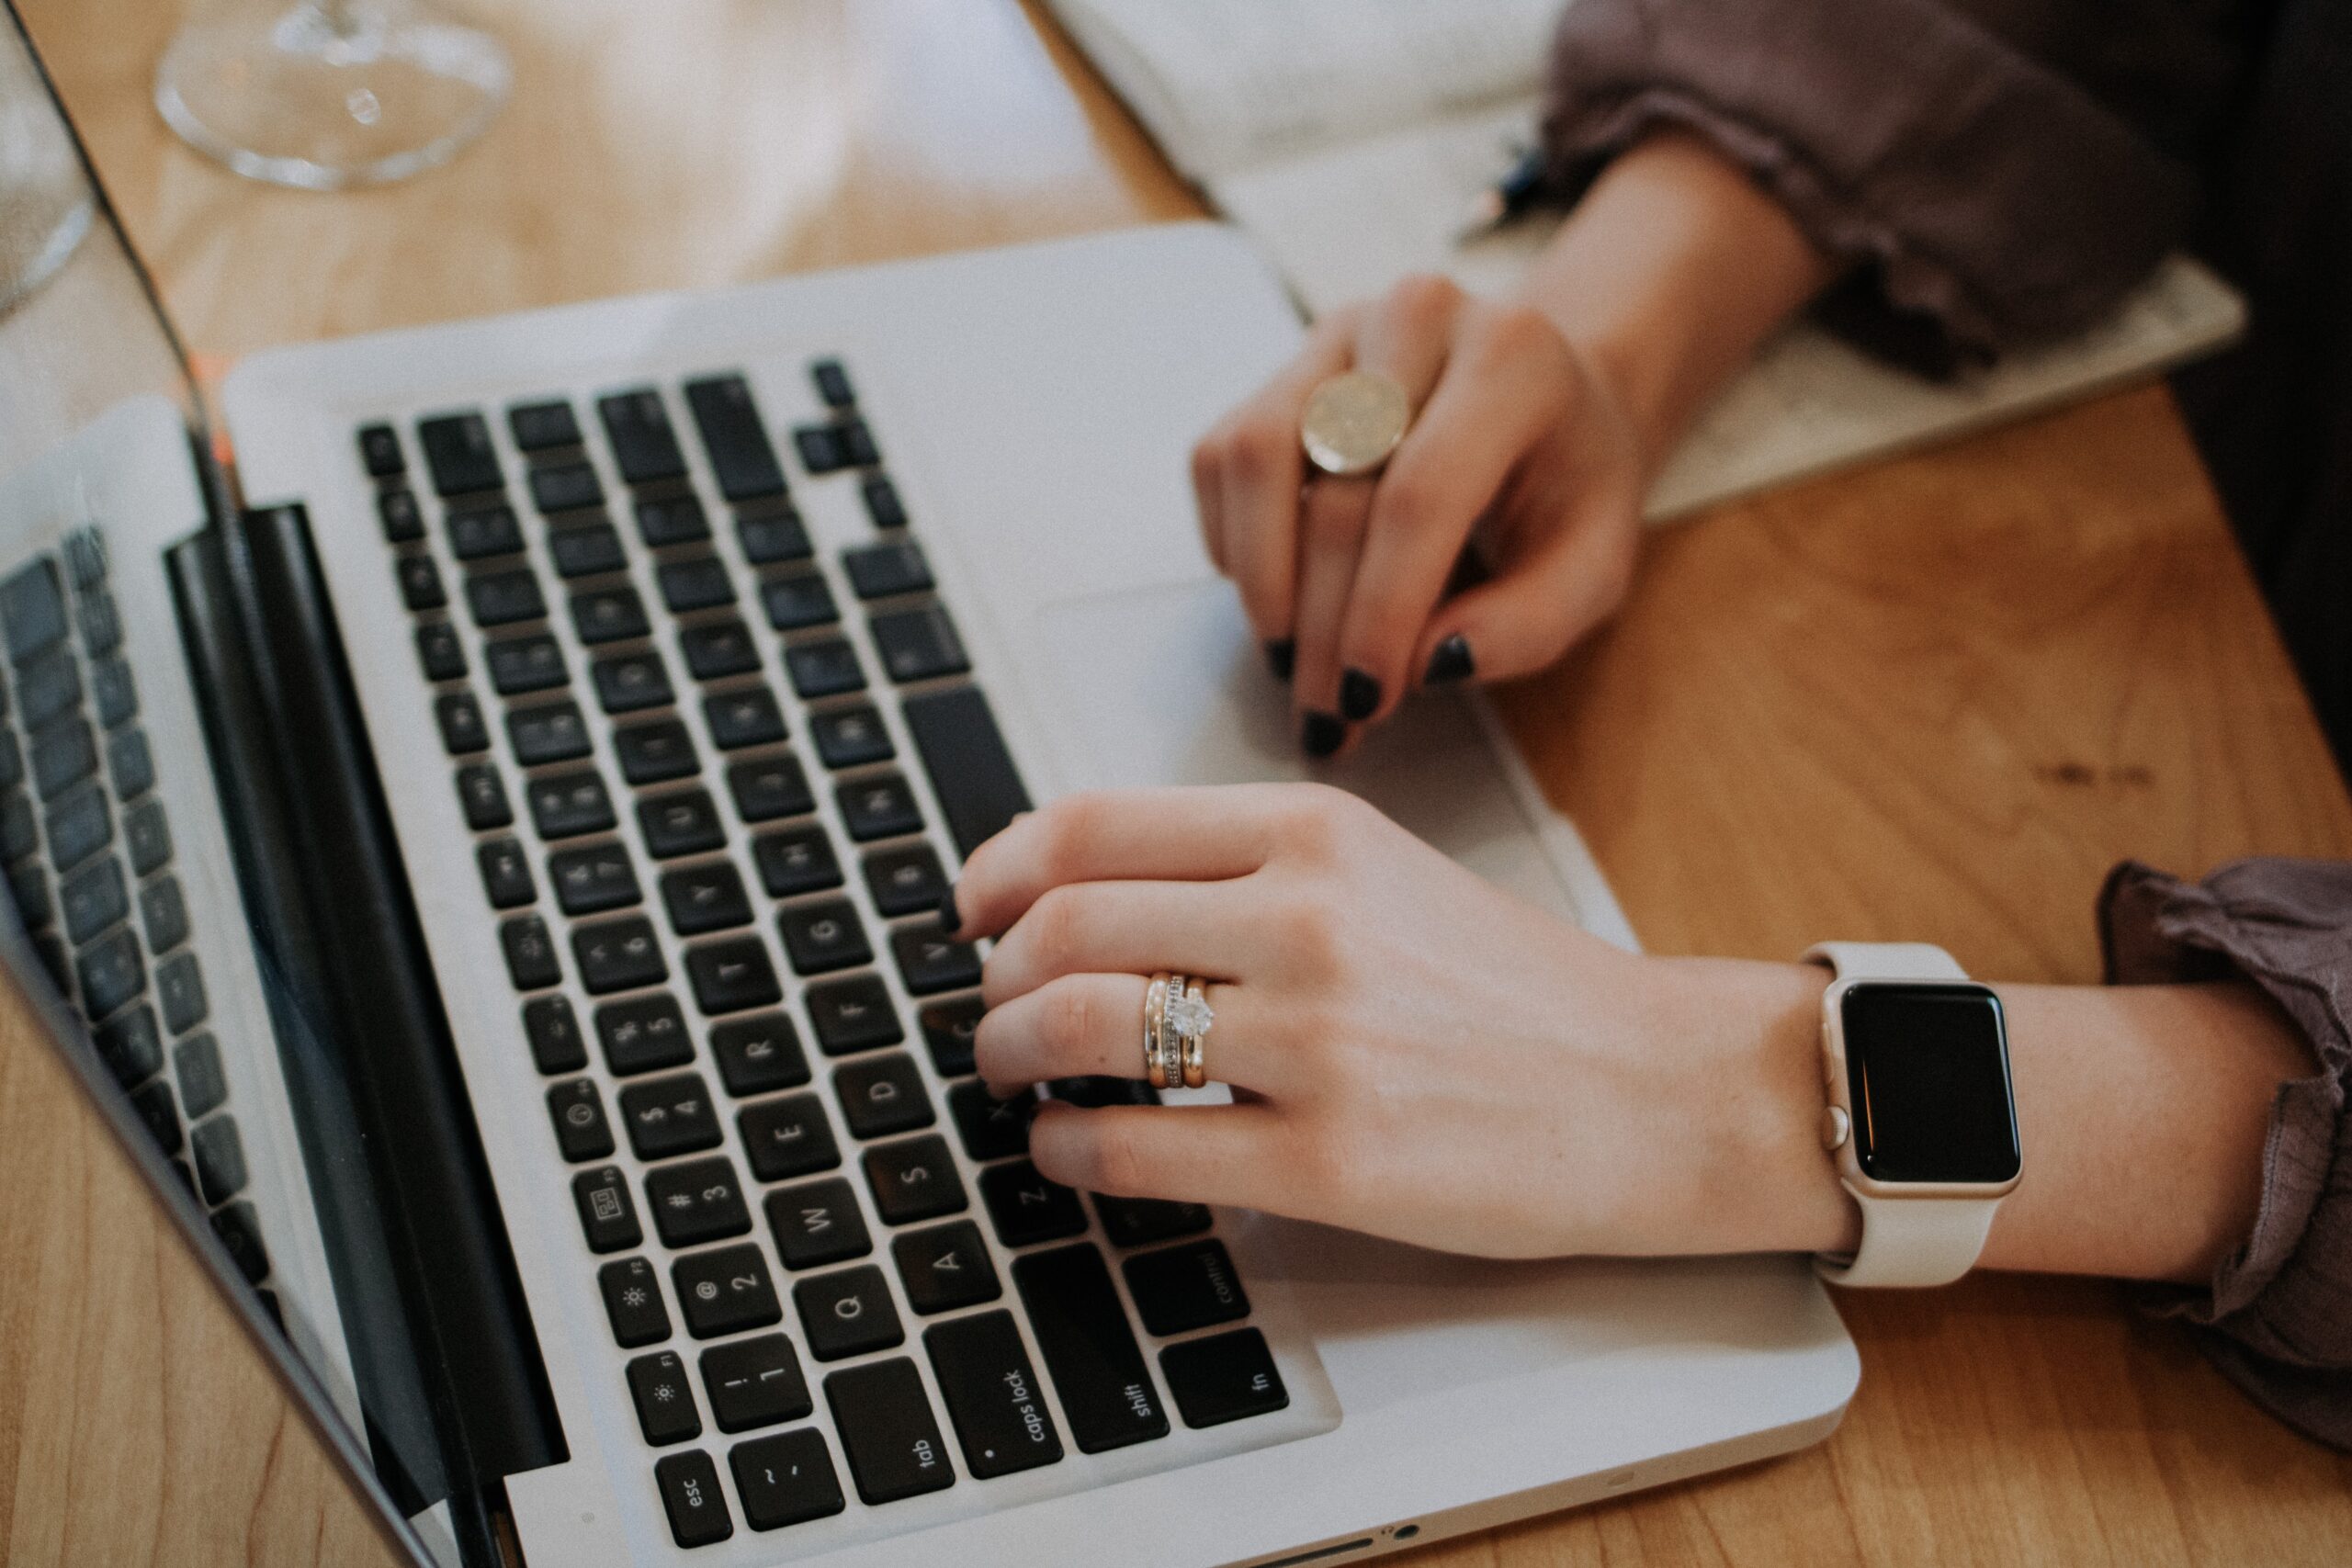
<point x="1126" y="927"/>
<point x="1533" y="611"/>
<point x="1260" y="468"/>
<point x="1330" y="535"/>
<point x="1198" y="1154"/>
<point x="1091" y="1025"/>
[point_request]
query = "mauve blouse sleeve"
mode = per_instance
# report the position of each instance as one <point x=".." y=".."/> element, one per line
<point x="1987" y="193"/>
<point x="2276" y="1318"/>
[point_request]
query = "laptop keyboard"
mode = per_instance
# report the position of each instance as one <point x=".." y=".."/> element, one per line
<point x="824" y="1247"/>
<point x="90" y="864"/>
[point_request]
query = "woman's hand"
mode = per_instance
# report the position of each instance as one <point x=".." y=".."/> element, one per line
<point x="1517" y="436"/>
<point x="1417" y="1054"/>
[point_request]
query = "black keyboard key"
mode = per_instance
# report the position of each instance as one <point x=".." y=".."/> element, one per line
<point x="481" y="532"/>
<point x="537" y="427"/>
<point x="1106" y="1391"/>
<point x="970" y="771"/>
<point x="195" y="1062"/>
<point x="905" y="881"/>
<point x="618" y="956"/>
<point x="794" y="604"/>
<point x="577" y="1109"/>
<point x="503" y="598"/>
<point x="458" y="450"/>
<point x="85" y="556"/>
<point x="131" y="1046"/>
<point x="553" y="732"/>
<point x="857" y="443"/>
<point x="12" y="760"/>
<point x="461" y="726"/>
<point x="33" y="608"/>
<point x="796" y="861"/>
<point x="685" y="823"/>
<point x="772" y="536"/>
<point x="787" y="1137"/>
<point x="758" y="1053"/>
<point x="553" y="1030"/>
<point x="914" y="1181"/>
<point x="403" y="521"/>
<point x="740" y="456"/>
<point x="113" y="691"/>
<point x="665" y="1400"/>
<point x="851" y="736"/>
<point x="101" y="625"/>
<point x="632" y="1293"/>
<point x="643" y="1034"/>
<point x="848" y="1313"/>
<point x="755" y="1383"/>
<point x="1138" y="1222"/>
<point x="880" y="806"/>
<point x="785" y="1480"/>
<point x="608" y="1215"/>
<point x="820" y="449"/>
<point x="817" y="1223"/>
<point x="30" y="889"/>
<point x="219" y="1160"/>
<point x="63" y="755"/>
<point x="54" y="957"/>
<point x="586" y="549"/>
<point x="1225" y="1377"/>
<point x="992" y="1128"/>
<point x="882" y="1095"/>
<point x="79" y="828"/>
<point x="1026" y="1208"/>
<point x="1184" y="1288"/>
<point x="666" y="520"/>
<point x="821" y="937"/>
<point x="608" y="615"/>
<point x="700" y="584"/>
<point x="112" y="972"/>
<point x="768" y="788"/>
<point x="628" y="682"/>
<point x="380" y="449"/>
<point x="655" y="752"/>
<point x="480" y="796"/>
<point x="690" y="1495"/>
<point x="747" y="717"/>
<point x="718" y="648"/>
<point x="152" y="1102"/>
<point x="239" y="1229"/>
<point x="855" y="1013"/>
<point x="564" y="805"/>
<point x="724" y="1292"/>
<point x="882" y="503"/>
<point x="877" y="571"/>
<point x="670" y="1116"/>
<point x="826" y="668"/>
<point x="930" y="962"/>
<point x="179" y="992"/>
<point x="947" y="1029"/>
<point x="695" y="1202"/>
<point x="47" y="687"/>
<point x="893" y="1444"/>
<point x="644" y="446"/>
<point x="920" y="643"/>
<point x="594" y="879"/>
<point x="565" y="487"/>
<point x="832" y="383"/>
<point x="945" y="1267"/>
<point x="523" y="664"/>
<point x="992" y="1394"/>
<point x="730" y="976"/>
<point x="530" y="954"/>
<point x="20" y="831"/>
<point x="704" y="898"/>
<point x="440" y="652"/>
<point x="506" y="874"/>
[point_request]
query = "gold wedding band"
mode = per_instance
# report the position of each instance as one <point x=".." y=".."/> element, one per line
<point x="1354" y="421"/>
<point x="1162" y="1061"/>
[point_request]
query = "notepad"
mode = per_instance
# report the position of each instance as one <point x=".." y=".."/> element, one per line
<point x="1350" y="137"/>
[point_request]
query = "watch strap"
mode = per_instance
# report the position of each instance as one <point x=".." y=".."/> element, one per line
<point x="1887" y="961"/>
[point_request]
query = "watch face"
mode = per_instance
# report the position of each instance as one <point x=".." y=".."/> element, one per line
<point x="1927" y="1067"/>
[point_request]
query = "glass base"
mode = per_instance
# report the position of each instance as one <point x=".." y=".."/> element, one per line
<point x="332" y="92"/>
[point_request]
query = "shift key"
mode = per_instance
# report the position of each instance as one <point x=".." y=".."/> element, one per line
<point x="1106" y="1390"/>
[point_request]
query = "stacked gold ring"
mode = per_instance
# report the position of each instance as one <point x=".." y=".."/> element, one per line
<point x="1193" y="1034"/>
<point x="1163" y="1051"/>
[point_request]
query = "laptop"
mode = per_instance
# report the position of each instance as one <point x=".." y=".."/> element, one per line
<point x="480" y="853"/>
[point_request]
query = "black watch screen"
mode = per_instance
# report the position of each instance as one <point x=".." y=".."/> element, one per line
<point x="1927" y="1068"/>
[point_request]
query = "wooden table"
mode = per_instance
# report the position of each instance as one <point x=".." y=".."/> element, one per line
<point x="1935" y="699"/>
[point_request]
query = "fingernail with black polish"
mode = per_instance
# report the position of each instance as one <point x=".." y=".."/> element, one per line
<point x="1451" y="662"/>
<point x="1281" y="654"/>
<point x="1321" y="734"/>
<point x="949" y="920"/>
<point x="1359" y="696"/>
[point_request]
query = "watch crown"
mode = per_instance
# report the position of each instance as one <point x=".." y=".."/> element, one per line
<point x="1834" y="1127"/>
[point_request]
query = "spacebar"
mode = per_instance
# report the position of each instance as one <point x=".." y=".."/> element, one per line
<point x="970" y="771"/>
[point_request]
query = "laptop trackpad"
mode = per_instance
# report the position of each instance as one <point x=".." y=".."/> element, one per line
<point x="1166" y="685"/>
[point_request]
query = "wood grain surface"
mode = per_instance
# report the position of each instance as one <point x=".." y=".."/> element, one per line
<point x="1935" y="699"/>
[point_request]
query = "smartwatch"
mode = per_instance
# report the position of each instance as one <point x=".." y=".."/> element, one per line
<point x="1921" y="1119"/>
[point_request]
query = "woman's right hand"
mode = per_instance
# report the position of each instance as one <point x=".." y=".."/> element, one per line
<point x="1517" y="440"/>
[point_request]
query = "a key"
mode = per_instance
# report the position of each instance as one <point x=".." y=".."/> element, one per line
<point x="481" y="797"/>
<point x="824" y="936"/>
<point x="1106" y="1391"/>
<point x="592" y="880"/>
<point x="655" y="751"/>
<point x="459" y="717"/>
<point x="565" y="487"/>
<point x="820" y="449"/>
<point x="990" y="1128"/>
<point x="785" y="1480"/>
<point x="643" y="1036"/>
<point x="1026" y="1208"/>
<point x="458" y="451"/>
<point x="239" y="1229"/>
<point x="695" y="1202"/>
<point x="787" y="1137"/>
<point x="929" y="963"/>
<point x="758" y="1053"/>
<point x="703" y="898"/>
<point x="670" y="1116"/>
<point x="881" y="806"/>
<point x="1225" y="1377"/>
<point x="755" y="1383"/>
<point x="664" y="1400"/>
<point x="945" y="1267"/>
<point x="553" y="1030"/>
<point x="947" y="1029"/>
<point x="920" y="643"/>
<point x="113" y="691"/>
<point x="725" y="1290"/>
<point x="970" y="771"/>
<point x="79" y="828"/>
<point x="47" y="687"/>
<point x="478" y="533"/>
<point x="690" y="1495"/>
<point x="882" y="1095"/>
<point x="111" y="972"/>
<point x="825" y="668"/>
<point x="685" y="823"/>
<point x="851" y="736"/>
<point x="504" y="598"/>
<point x="697" y="583"/>
<point x="93" y="898"/>
<point x="524" y="664"/>
<point x="607" y="1213"/>
<point x="644" y="446"/>
<point x="832" y="383"/>
<point x="878" y="571"/>
<point x="530" y="954"/>
<point x="993" y="1398"/>
<point x="855" y="1013"/>
<point x="132" y="765"/>
<point x="380" y="452"/>
<point x="772" y="535"/>
<point x="632" y="1293"/>
<point x="796" y="861"/>
<point x="19" y="832"/>
<point x="586" y="549"/>
<point x="857" y="443"/>
<point x="768" y="788"/>
<point x="887" y="1429"/>
<point x="1184" y="1288"/>
<point x="730" y="976"/>
<point x="538" y="428"/>
<point x="914" y="1181"/>
<point x="882" y="503"/>
<point x="740" y="718"/>
<point x="817" y="1223"/>
<point x="1139" y="1221"/>
<point x="403" y="521"/>
<point x="717" y="650"/>
<point x="195" y="1062"/>
<point x="740" y="456"/>
<point x="85" y="557"/>
<point x="33" y="608"/>
<point x="578" y="1111"/>
<point x="906" y="880"/>
<point x="797" y="602"/>
<point x="618" y="956"/>
<point x="848" y="1313"/>
<point x="131" y="1046"/>
<point x="440" y="652"/>
<point x="564" y="805"/>
<point x="219" y="1158"/>
<point x="628" y="682"/>
<point x="31" y="891"/>
<point x="101" y="623"/>
<point x="552" y="732"/>
<point x="506" y="874"/>
<point x="420" y="583"/>
<point x="608" y="615"/>
<point x="666" y="520"/>
<point x="12" y="760"/>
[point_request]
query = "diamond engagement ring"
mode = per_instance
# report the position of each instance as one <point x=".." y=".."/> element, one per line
<point x="1187" y="1019"/>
